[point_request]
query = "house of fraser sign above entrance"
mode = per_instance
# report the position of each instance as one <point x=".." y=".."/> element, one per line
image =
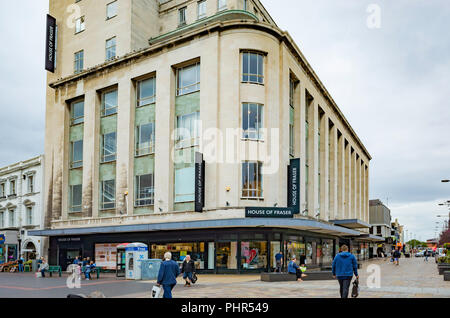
<point x="263" y="212"/>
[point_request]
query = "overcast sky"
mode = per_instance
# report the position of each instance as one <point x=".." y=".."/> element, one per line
<point x="391" y="82"/>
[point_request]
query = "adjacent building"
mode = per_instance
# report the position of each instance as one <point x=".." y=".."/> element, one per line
<point x="196" y="127"/>
<point x="21" y="199"/>
<point x="380" y="221"/>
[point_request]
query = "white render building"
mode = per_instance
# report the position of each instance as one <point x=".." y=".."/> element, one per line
<point x="21" y="199"/>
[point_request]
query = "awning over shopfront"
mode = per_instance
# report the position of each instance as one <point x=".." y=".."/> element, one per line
<point x="351" y="223"/>
<point x="370" y="238"/>
<point x="298" y="224"/>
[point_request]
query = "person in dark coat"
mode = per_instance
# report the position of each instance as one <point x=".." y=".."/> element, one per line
<point x="168" y="273"/>
<point x="188" y="269"/>
<point x="344" y="266"/>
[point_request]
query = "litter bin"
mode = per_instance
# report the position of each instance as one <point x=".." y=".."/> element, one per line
<point x="34" y="266"/>
<point x="150" y="269"/>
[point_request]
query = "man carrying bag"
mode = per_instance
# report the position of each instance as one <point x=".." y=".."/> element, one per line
<point x="344" y="266"/>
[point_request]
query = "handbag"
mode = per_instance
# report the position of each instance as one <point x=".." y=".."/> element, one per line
<point x="157" y="292"/>
<point x="38" y="274"/>
<point x="355" y="289"/>
<point x="194" y="278"/>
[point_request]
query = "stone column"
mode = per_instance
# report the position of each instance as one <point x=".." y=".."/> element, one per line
<point x="302" y="138"/>
<point x="340" y="177"/>
<point x="324" y="153"/>
<point x="314" y="159"/>
<point x="333" y="173"/>
<point x="348" y="181"/>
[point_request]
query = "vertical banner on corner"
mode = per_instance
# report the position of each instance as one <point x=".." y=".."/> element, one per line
<point x="50" y="44"/>
<point x="199" y="182"/>
<point x="294" y="185"/>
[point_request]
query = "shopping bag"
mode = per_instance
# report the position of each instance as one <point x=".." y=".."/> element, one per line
<point x="38" y="274"/>
<point x="157" y="292"/>
<point x="194" y="278"/>
<point x="355" y="289"/>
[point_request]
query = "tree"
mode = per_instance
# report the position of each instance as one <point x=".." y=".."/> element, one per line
<point x="445" y="237"/>
<point x="416" y="243"/>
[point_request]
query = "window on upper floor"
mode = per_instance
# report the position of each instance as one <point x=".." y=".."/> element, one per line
<point x="77" y="112"/>
<point x="76" y="154"/>
<point x="201" y="9"/>
<point x="108" y="147"/>
<point x="145" y="190"/>
<point x="110" y="49"/>
<point x="188" y="79"/>
<point x="2" y="190"/>
<point x="30" y="184"/>
<point x="107" y="194"/>
<point x="29" y="215"/>
<point x="2" y="219"/>
<point x="80" y="25"/>
<point x="184" y="184"/>
<point x="188" y="130"/>
<point x="12" y="187"/>
<point x="182" y="16"/>
<point x="12" y="218"/>
<point x="111" y="10"/>
<point x="109" y="102"/>
<point x="253" y="67"/>
<point x="146" y="92"/>
<point x="252" y="121"/>
<point x="145" y="139"/>
<point x="221" y="5"/>
<point x="252" y="182"/>
<point x="75" y="198"/>
<point x="245" y="5"/>
<point x="78" y="62"/>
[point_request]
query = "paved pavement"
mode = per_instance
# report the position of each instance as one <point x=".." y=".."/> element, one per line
<point x="413" y="278"/>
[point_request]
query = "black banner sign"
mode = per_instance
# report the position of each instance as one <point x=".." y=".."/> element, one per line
<point x="50" y="44"/>
<point x="294" y="185"/>
<point x="199" y="182"/>
<point x="264" y="212"/>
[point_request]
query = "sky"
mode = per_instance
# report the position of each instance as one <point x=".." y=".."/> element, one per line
<point x="386" y="64"/>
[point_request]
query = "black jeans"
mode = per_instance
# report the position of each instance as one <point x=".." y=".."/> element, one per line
<point x="344" y="287"/>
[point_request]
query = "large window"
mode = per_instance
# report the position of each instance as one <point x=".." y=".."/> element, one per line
<point x="29" y="215"/>
<point x="254" y="255"/>
<point x="184" y="184"/>
<point x="75" y="196"/>
<point x="108" y="194"/>
<point x="252" y="121"/>
<point x="145" y="191"/>
<point x="111" y="48"/>
<point x="109" y="103"/>
<point x="12" y="218"/>
<point x="79" y="25"/>
<point x="182" y="16"/>
<point x="221" y="4"/>
<point x="79" y="61"/>
<point x="252" y="182"/>
<point x="201" y="9"/>
<point x="109" y="147"/>
<point x="145" y="139"/>
<point x="146" y="92"/>
<point x="188" y="79"/>
<point x="188" y="130"/>
<point x="253" y="68"/>
<point x="12" y="187"/>
<point x="76" y="154"/>
<point x="77" y="113"/>
<point x="111" y="10"/>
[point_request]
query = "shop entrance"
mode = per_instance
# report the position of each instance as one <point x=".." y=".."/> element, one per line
<point x="67" y="256"/>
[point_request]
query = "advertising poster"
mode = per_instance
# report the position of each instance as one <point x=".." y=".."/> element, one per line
<point x="105" y="255"/>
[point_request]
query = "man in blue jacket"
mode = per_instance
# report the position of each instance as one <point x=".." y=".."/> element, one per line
<point x="344" y="266"/>
<point x="168" y="273"/>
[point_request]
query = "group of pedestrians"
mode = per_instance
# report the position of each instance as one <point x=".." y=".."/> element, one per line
<point x="87" y="266"/>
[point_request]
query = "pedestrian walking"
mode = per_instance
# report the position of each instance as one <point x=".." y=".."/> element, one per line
<point x="425" y="253"/>
<point x="344" y="267"/>
<point x="20" y="262"/>
<point x="397" y="256"/>
<point x="279" y="261"/>
<point x="167" y="276"/>
<point x="294" y="269"/>
<point x="188" y="269"/>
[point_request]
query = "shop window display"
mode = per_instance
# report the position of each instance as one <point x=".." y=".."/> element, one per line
<point x="180" y="251"/>
<point x="253" y="255"/>
<point x="327" y="251"/>
<point x="226" y="255"/>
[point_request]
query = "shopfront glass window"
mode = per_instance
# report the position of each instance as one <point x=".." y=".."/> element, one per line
<point x="319" y="254"/>
<point x="327" y="251"/>
<point x="275" y="247"/>
<point x="226" y="255"/>
<point x="180" y="251"/>
<point x="12" y="253"/>
<point x="253" y="255"/>
<point x="297" y="249"/>
<point x="309" y="253"/>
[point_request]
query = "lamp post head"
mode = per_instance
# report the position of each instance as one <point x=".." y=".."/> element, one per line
<point x="445" y="181"/>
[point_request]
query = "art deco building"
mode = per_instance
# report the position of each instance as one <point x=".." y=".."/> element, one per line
<point x="142" y="88"/>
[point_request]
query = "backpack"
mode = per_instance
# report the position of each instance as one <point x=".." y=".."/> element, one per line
<point x="355" y="289"/>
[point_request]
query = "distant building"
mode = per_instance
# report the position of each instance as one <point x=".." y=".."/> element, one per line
<point x="380" y="221"/>
<point x="21" y="198"/>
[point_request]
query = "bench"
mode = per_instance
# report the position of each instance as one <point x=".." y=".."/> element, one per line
<point x="54" y="269"/>
<point x="96" y="269"/>
<point x="318" y="275"/>
<point x="278" y="277"/>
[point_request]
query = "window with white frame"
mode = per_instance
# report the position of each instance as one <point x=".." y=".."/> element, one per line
<point x="12" y="218"/>
<point x="188" y="79"/>
<point x="188" y="130"/>
<point x="221" y="5"/>
<point x="253" y="67"/>
<point x="2" y="190"/>
<point x="182" y="16"/>
<point x="145" y="139"/>
<point x="77" y="113"/>
<point x="107" y="194"/>
<point x="12" y="187"/>
<point x="146" y="92"/>
<point x="109" y="103"/>
<point x="111" y="10"/>
<point x="252" y="182"/>
<point x="145" y="191"/>
<point x="79" y="25"/>
<point x="201" y="9"/>
<point x="2" y="219"/>
<point x="245" y="5"/>
<point x="75" y="198"/>
<point x="29" y="215"/>
<point x="109" y="147"/>
<point x="252" y="121"/>
<point x="76" y="154"/>
<point x="111" y="48"/>
<point x="185" y="184"/>
<point x="79" y="62"/>
<point x="30" y="184"/>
